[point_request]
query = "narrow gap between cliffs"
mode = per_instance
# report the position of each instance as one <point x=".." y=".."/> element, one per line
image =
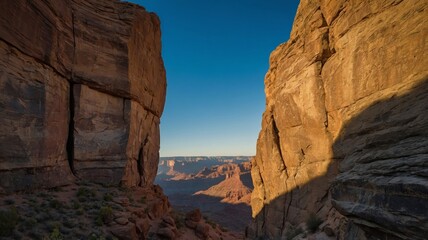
<point x="70" y="139"/>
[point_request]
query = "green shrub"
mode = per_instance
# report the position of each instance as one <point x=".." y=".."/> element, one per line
<point x="143" y="200"/>
<point x="85" y="192"/>
<point x="56" y="234"/>
<point x="105" y="215"/>
<point x="108" y="197"/>
<point x="313" y="222"/>
<point x="8" y="221"/>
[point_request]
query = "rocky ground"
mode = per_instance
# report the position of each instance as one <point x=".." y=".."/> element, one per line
<point x="91" y="211"/>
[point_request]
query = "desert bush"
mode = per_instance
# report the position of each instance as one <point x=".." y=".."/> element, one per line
<point x="56" y="234"/>
<point x="105" y="215"/>
<point x="108" y="197"/>
<point x="8" y="221"/>
<point x="313" y="222"/>
<point x="85" y="192"/>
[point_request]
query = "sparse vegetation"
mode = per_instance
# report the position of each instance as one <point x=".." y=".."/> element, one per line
<point x="313" y="222"/>
<point x="46" y="215"/>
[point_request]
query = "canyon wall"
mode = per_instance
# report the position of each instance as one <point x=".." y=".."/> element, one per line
<point x="345" y="131"/>
<point x="82" y="91"/>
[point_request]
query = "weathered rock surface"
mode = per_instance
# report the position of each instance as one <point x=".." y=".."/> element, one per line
<point x="82" y="91"/>
<point x="345" y="126"/>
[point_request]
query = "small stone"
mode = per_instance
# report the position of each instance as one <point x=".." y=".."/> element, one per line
<point x="125" y="232"/>
<point x="190" y="224"/>
<point x="168" y="221"/>
<point x="328" y="231"/>
<point x="124" y="201"/>
<point x="121" y="221"/>
<point x="166" y="233"/>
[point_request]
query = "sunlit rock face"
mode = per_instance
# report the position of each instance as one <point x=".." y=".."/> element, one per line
<point x="82" y="91"/>
<point x="344" y="134"/>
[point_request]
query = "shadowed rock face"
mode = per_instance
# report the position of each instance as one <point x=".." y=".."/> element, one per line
<point x="344" y="133"/>
<point x="82" y="91"/>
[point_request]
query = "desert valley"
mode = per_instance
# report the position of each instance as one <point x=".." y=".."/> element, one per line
<point x="219" y="186"/>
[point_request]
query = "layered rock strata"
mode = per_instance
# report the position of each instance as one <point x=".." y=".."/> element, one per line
<point x="344" y="135"/>
<point x="82" y="91"/>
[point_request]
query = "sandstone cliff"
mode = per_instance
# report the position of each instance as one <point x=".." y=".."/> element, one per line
<point x="344" y="135"/>
<point x="82" y="91"/>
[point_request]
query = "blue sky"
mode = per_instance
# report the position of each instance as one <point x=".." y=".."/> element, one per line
<point x="216" y="54"/>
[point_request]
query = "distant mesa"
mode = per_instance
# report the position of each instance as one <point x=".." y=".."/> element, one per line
<point x="231" y="190"/>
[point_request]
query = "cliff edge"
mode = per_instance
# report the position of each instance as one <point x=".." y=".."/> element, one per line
<point x="344" y="135"/>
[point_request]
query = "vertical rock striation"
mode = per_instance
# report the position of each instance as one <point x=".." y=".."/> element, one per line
<point x="82" y="92"/>
<point x="345" y="134"/>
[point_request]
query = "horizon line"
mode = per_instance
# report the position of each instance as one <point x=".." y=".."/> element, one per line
<point x="207" y="156"/>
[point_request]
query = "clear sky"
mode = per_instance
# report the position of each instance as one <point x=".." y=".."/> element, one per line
<point x="216" y="54"/>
